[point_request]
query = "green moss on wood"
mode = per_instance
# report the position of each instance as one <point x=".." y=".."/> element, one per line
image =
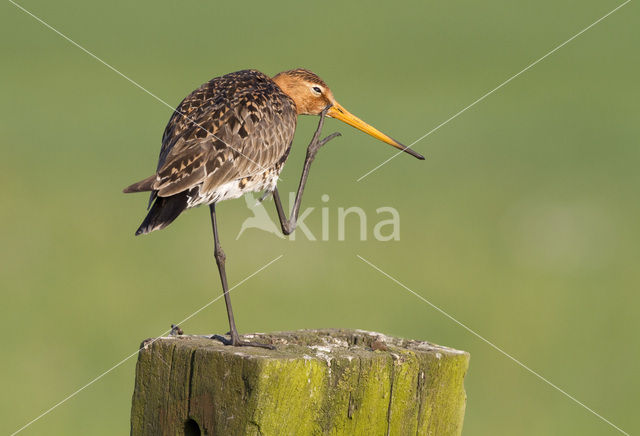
<point x="316" y="382"/>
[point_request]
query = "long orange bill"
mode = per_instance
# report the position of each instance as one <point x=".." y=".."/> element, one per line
<point x="338" y="112"/>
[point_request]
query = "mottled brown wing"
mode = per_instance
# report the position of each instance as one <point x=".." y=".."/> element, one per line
<point x="233" y="126"/>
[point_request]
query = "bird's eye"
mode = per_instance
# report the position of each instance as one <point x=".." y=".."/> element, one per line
<point x="317" y="90"/>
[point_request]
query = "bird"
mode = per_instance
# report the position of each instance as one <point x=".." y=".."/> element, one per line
<point x="231" y="136"/>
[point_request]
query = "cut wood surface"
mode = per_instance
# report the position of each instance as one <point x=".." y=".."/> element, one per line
<point x="316" y="382"/>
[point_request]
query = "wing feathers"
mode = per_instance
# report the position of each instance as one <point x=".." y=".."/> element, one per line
<point x="182" y="173"/>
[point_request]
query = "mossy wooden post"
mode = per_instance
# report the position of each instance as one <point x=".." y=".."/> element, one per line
<point x="316" y="382"/>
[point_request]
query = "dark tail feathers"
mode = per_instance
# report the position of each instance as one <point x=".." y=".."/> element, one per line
<point x="163" y="212"/>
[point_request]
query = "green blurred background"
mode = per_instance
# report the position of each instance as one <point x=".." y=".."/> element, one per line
<point x="522" y="222"/>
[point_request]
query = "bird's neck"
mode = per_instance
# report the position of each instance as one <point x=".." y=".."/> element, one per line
<point x="291" y="87"/>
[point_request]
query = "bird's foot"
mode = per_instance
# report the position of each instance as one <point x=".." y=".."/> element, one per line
<point x="313" y="148"/>
<point x="175" y="330"/>
<point x="237" y="342"/>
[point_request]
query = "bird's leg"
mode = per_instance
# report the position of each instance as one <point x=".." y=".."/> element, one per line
<point x="289" y="225"/>
<point x="220" y="260"/>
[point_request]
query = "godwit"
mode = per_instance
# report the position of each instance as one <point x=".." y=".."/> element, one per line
<point x="232" y="135"/>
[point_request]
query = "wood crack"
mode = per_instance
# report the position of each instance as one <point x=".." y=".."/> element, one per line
<point x="393" y="369"/>
<point x="190" y="383"/>
<point x="420" y="394"/>
<point x="167" y="384"/>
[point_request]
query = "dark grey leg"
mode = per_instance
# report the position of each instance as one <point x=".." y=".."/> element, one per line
<point x="289" y="225"/>
<point x="220" y="260"/>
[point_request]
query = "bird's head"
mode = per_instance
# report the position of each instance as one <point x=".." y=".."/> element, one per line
<point x="311" y="96"/>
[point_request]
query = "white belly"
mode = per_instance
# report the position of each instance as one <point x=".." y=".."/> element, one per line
<point x="235" y="189"/>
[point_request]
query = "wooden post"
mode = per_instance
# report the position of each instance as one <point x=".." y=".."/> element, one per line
<point x="316" y="382"/>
